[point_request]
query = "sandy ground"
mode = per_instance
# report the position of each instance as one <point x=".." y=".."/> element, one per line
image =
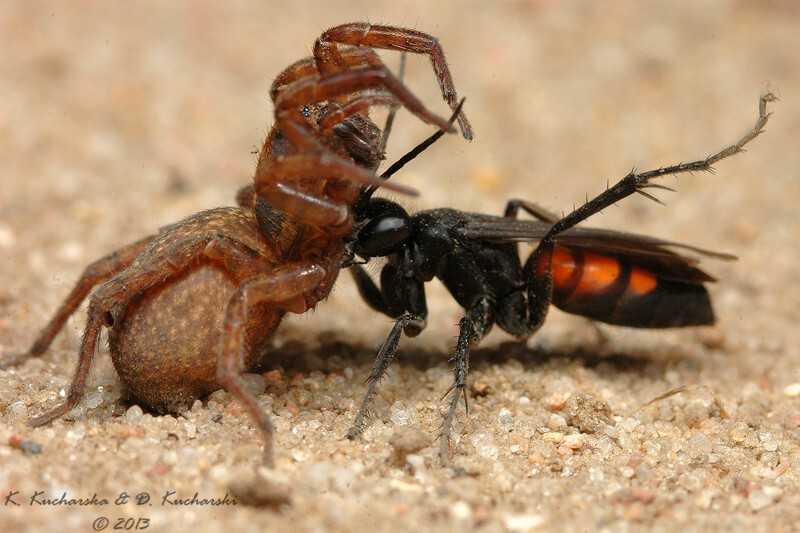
<point x="116" y="119"/>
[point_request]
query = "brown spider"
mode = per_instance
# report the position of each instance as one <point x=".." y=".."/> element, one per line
<point x="191" y="308"/>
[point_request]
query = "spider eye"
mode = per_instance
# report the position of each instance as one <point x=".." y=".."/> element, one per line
<point x="385" y="232"/>
<point x="306" y="111"/>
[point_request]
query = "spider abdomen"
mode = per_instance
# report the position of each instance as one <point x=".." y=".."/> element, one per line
<point x="165" y="343"/>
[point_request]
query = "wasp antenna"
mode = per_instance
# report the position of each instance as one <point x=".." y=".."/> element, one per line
<point x="414" y="152"/>
<point x="401" y="72"/>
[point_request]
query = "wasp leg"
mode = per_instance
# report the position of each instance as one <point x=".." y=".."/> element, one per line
<point x="410" y="323"/>
<point x="539" y="265"/>
<point x="471" y="329"/>
<point x="370" y="292"/>
<point x="382" y="361"/>
<point x="633" y="182"/>
<point x="466" y="337"/>
<point x="513" y="207"/>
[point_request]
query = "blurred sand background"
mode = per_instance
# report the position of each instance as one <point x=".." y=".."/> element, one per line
<point x="118" y="118"/>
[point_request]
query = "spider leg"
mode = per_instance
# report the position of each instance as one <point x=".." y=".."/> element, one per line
<point x="291" y="286"/>
<point x="363" y="34"/>
<point x="93" y="275"/>
<point x="305" y="68"/>
<point x="280" y="180"/>
<point x="116" y="292"/>
<point x="304" y="137"/>
<point x="312" y="159"/>
<point x="357" y="104"/>
<point x="349" y="58"/>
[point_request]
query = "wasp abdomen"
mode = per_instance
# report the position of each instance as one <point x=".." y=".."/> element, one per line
<point x="618" y="292"/>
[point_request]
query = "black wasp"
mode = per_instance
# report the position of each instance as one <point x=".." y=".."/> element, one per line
<point x="613" y="277"/>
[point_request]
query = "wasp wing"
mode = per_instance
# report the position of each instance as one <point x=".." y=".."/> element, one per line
<point x="649" y="253"/>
